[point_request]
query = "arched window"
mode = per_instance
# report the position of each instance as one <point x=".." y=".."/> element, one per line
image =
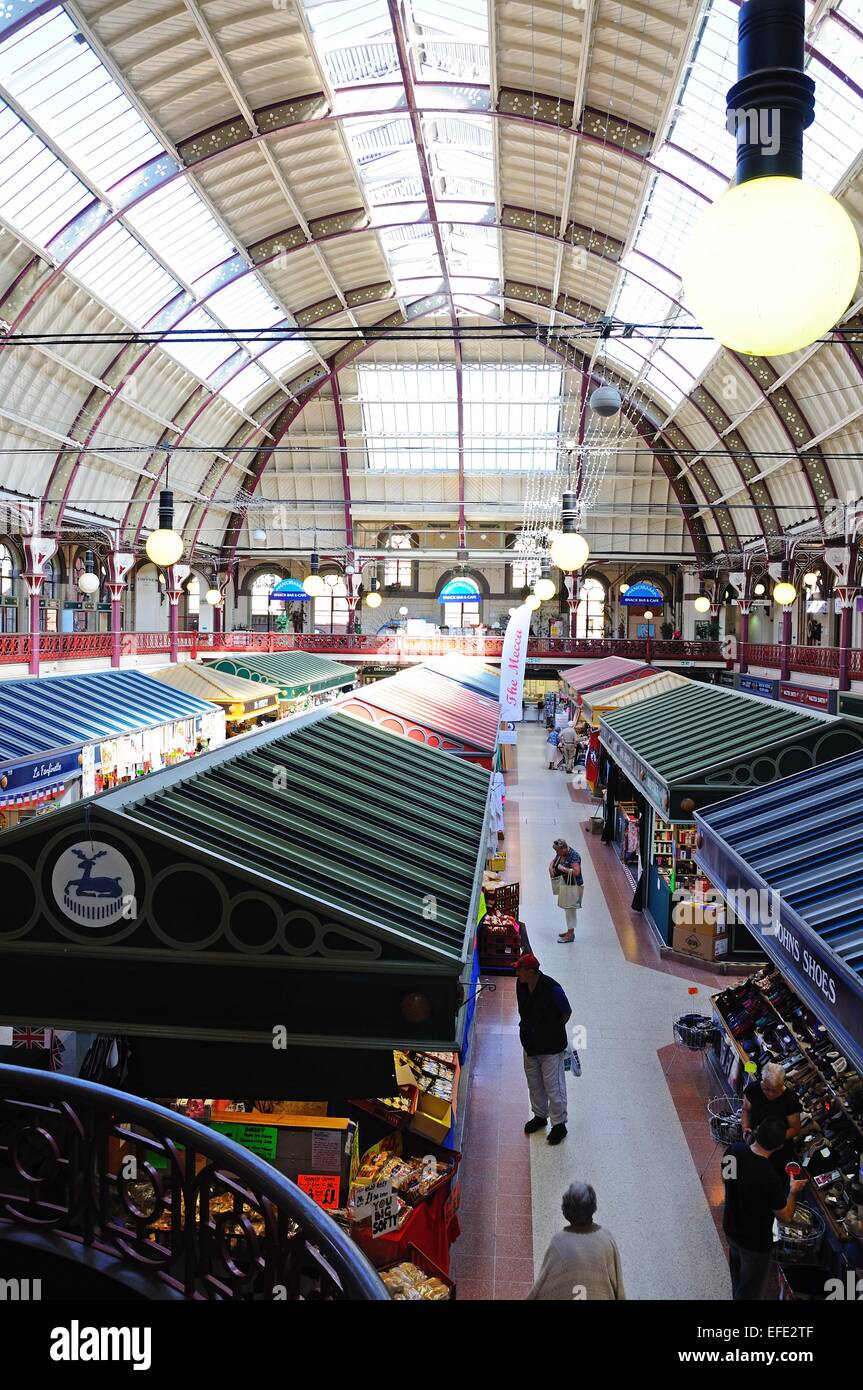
<point x="461" y="600"/>
<point x="261" y="601"/>
<point x="193" y="596"/>
<point x="590" y="614"/>
<point x="7" y="572"/>
<point x="49" y="583"/>
<point x="331" y="610"/>
<point x="398" y="569"/>
<point x="523" y="572"/>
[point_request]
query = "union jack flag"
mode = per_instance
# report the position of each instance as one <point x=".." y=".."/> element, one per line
<point x="29" y="1037"/>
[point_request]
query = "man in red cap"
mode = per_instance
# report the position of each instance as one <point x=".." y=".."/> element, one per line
<point x="544" y="1012"/>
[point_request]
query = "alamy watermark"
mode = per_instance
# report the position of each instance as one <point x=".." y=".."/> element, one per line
<point x="759" y="908"/>
<point x="755" y="126"/>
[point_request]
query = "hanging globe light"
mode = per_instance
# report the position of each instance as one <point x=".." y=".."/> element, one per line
<point x="544" y="589"/>
<point x="702" y="604"/>
<point x="314" y="585"/>
<point x="532" y="602"/>
<point x="784" y="593"/>
<point x="624" y="589"/>
<point x="774" y="263"/>
<point x="403" y="612"/>
<point x="759" y="590"/>
<point x="605" y="401"/>
<point x="88" y="579"/>
<point x="569" y="550"/>
<point x="213" y="596"/>
<point x="164" y="546"/>
<point x="373" y="599"/>
<point x="259" y="535"/>
<point x="811" y="580"/>
<point x="647" y="615"/>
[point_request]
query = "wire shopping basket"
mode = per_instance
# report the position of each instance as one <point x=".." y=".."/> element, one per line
<point x="797" y="1241"/>
<point x="724" y="1116"/>
<point x="694" y="1031"/>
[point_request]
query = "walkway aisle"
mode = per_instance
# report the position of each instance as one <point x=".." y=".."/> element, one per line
<point x="625" y="1132"/>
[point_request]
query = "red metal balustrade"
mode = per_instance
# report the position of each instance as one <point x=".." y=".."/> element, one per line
<point x="14" y="648"/>
<point x="819" y="661"/>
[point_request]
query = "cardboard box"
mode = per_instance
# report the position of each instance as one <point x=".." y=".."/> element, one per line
<point x="497" y="861"/>
<point x="702" y="944"/>
<point x="705" y="918"/>
<point x="313" y="1151"/>
<point x="430" y="1127"/>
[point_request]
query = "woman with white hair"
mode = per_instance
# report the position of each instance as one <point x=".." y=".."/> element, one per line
<point x="582" y="1263"/>
<point x="769" y="1096"/>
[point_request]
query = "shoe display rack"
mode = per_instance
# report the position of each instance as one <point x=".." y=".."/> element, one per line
<point x="762" y="1020"/>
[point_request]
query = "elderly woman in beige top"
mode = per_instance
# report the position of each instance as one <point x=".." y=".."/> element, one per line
<point x="582" y="1263"/>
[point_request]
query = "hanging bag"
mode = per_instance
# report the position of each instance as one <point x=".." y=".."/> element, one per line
<point x="569" y="894"/>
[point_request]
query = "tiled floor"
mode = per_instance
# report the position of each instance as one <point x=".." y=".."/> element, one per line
<point x="639" y="1135"/>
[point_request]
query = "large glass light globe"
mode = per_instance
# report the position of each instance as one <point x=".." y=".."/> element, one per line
<point x="811" y="579"/>
<point x="164" y="547"/>
<point x="772" y="266"/>
<point x="569" y="550"/>
<point x="784" y="593"/>
<point x="314" y="585"/>
<point x="544" y="589"/>
<point x="702" y="604"/>
<point x="213" y="597"/>
<point x="532" y="602"/>
<point x="88" y="583"/>
<point x="373" y="600"/>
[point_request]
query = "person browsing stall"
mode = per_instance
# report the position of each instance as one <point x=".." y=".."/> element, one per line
<point x="769" y="1096"/>
<point x="754" y="1194"/>
<point x="543" y="1012"/>
<point x="566" y="877"/>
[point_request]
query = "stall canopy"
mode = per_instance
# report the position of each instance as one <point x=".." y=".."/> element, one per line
<point x="432" y="710"/>
<point x="294" y="673"/>
<point x="469" y="671"/>
<point x="251" y="698"/>
<point x="42" y="714"/>
<point x="607" y="670"/>
<point x="598" y="702"/>
<point x="790" y="857"/>
<point x="700" y="743"/>
<point x="321" y="878"/>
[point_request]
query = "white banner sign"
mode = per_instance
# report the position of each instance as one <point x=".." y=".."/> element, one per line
<point x="512" y="664"/>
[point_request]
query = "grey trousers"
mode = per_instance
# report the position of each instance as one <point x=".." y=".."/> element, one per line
<point x="546" y="1082"/>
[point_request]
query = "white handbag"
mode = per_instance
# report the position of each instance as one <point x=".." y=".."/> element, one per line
<point x="570" y="894"/>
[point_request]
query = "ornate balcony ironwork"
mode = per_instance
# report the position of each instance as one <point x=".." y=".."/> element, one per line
<point x="93" y="1171"/>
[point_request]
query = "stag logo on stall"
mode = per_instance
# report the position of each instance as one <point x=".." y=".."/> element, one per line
<point x="93" y="883"/>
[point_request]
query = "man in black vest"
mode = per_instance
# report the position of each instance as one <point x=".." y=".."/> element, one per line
<point x="544" y="1012"/>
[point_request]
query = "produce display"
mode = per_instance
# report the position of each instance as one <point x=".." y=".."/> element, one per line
<point x="407" y="1283"/>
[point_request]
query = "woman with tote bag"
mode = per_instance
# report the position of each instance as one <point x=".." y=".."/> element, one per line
<point x="567" y="885"/>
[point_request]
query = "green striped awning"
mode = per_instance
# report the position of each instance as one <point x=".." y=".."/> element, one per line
<point x="296" y="673"/>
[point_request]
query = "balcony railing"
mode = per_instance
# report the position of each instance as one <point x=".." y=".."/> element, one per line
<point x="818" y="661"/>
<point x="69" y="646"/>
<point x="160" y="1201"/>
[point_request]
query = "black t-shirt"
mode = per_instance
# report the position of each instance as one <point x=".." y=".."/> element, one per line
<point x="760" y="1107"/>
<point x="752" y="1198"/>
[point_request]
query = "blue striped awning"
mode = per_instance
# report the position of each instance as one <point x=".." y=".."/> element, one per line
<point x="791" y="853"/>
<point x="40" y="715"/>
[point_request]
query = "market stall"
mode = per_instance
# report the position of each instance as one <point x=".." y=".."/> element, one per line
<point x="67" y="737"/>
<point x="297" y="879"/>
<point x="604" y="672"/>
<point x="469" y="671"/>
<point x="303" y="679"/>
<point x="596" y="703"/>
<point x="429" y="709"/>
<point x="686" y="749"/>
<point x="245" y="703"/>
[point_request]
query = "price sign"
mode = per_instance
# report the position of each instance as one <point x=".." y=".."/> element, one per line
<point x="323" y="1190"/>
<point x="365" y="1198"/>
<point x="385" y="1216"/>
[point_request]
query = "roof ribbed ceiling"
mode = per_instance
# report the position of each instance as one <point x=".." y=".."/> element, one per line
<point x="238" y="169"/>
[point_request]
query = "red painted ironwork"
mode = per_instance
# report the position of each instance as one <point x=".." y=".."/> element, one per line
<point x="820" y="661"/>
<point x="63" y="646"/>
<point x="14" y="648"/>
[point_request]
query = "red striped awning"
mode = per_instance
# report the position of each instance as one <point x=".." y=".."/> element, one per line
<point x="447" y="710"/>
<point x="607" y="670"/>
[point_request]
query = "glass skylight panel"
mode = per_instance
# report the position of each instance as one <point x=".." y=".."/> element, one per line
<point x="244" y="385"/>
<point x="40" y="195"/>
<point x="664" y="280"/>
<point x="245" y="304"/>
<point x="638" y="303"/>
<point x="64" y="86"/>
<point x="202" y="356"/>
<point x="355" y="40"/>
<point x="125" y="276"/>
<point x="181" y="228"/>
<point x="410" y="417"/>
<point x="284" y="355"/>
<point x="699" y="124"/>
<point x="619" y="351"/>
<point x="834" y="140"/>
<point x="664" y="388"/>
<point x="511" y="417"/>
